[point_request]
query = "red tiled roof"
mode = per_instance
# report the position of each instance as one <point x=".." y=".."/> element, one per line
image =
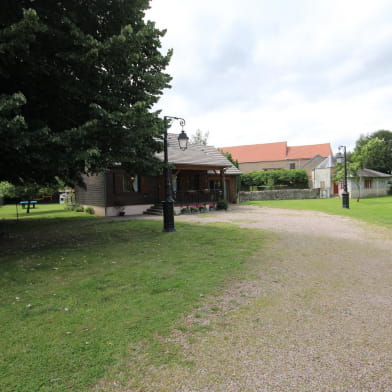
<point x="277" y="152"/>
<point x="308" y="152"/>
<point x="258" y="152"/>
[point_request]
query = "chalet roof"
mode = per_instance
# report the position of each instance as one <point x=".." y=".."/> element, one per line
<point x="372" y="173"/>
<point x="277" y="152"/>
<point x="197" y="155"/>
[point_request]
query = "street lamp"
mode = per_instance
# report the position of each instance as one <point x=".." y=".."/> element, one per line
<point x="342" y="158"/>
<point x="168" y="204"/>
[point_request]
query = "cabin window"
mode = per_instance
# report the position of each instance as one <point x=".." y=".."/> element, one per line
<point x="292" y="166"/>
<point x="368" y="183"/>
<point x="131" y="183"/>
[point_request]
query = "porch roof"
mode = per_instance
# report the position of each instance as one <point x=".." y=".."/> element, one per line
<point x="197" y="155"/>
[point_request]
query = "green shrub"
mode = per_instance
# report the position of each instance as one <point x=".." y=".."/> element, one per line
<point x="74" y="207"/>
<point x="89" y="210"/>
<point x="275" y="179"/>
<point x="221" y="205"/>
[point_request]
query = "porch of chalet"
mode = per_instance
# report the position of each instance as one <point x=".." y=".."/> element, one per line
<point x="196" y="185"/>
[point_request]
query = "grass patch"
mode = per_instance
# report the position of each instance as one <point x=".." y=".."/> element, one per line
<point x="376" y="210"/>
<point x="41" y="211"/>
<point x="83" y="298"/>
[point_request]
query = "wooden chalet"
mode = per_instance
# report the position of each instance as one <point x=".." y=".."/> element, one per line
<point x="200" y="174"/>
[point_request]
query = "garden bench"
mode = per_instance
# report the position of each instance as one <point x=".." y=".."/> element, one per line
<point x="24" y="203"/>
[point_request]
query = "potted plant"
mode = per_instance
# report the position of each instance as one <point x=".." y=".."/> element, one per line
<point x="202" y="207"/>
<point x="120" y="208"/>
<point x="185" y="210"/>
<point x="212" y="206"/>
<point x="194" y="209"/>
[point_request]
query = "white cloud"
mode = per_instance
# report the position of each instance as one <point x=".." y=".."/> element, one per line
<point x="261" y="71"/>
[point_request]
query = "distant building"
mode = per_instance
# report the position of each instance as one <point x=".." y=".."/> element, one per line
<point x="369" y="183"/>
<point x="259" y="157"/>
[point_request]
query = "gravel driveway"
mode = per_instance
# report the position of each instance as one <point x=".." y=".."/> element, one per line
<point x="316" y="316"/>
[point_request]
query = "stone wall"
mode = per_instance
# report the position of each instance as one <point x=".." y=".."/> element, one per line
<point x="283" y="194"/>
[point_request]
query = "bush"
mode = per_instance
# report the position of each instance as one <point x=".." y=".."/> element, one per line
<point x="275" y="179"/>
<point x="221" y="205"/>
<point x="74" y="207"/>
<point x="90" y="210"/>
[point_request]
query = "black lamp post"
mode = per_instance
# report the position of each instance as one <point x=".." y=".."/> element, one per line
<point x="342" y="158"/>
<point x="168" y="204"/>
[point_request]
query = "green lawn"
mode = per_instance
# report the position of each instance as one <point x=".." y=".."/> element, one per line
<point x="43" y="211"/>
<point x="85" y="298"/>
<point x="374" y="210"/>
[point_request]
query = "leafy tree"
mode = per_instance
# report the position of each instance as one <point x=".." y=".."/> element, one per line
<point x="199" y="138"/>
<point x="230" y="158"/>
<point x="353" y="166"/>
<point x="374" y="151"/>
<point x="78" y="80"/>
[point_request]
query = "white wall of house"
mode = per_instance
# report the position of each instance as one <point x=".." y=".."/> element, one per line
<point x="368" y="187"/>
<point x="322" y="178"/>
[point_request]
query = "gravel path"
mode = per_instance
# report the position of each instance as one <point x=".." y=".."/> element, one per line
<point x="316" y="317"/>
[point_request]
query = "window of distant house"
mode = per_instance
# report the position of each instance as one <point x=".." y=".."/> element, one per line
<point x="292" y="166"/>
<point x="131" y="183"/>
<point x="368" y="183"/>
<point x="322" y="184"/>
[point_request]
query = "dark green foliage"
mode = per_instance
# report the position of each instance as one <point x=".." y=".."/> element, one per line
<point x="374" y="151"/>
<point x="90" y="210"/>
<point x="78" y="80"/>
<point x="271" y="179"/>
<point x="221" y="205"/>
<point x="230" y="158"/>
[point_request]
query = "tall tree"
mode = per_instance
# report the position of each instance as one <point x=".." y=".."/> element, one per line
<point x="200" y="138"/>
<point x="78" y="80"/>
<point x="374" y="151"/>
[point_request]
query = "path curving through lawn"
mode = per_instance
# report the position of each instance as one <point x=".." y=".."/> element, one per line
<point x="316" y="314"/>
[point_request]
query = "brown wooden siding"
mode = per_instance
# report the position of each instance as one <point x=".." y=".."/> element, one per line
<point x="94" y="193"/>
<point x="116" y="195"/>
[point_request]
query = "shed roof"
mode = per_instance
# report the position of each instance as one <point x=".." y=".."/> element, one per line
<point x="372" y="173"/>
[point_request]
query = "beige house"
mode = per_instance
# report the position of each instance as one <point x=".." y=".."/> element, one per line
<point x="259" y="157"/>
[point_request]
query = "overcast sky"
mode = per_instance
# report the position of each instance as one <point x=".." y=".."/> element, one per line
<point x="263" y="71"/>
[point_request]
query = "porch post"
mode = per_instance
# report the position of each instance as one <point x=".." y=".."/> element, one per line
<point x="223" y="184"/>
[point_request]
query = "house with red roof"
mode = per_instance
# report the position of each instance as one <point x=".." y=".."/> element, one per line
<point x="259" y="157"/>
